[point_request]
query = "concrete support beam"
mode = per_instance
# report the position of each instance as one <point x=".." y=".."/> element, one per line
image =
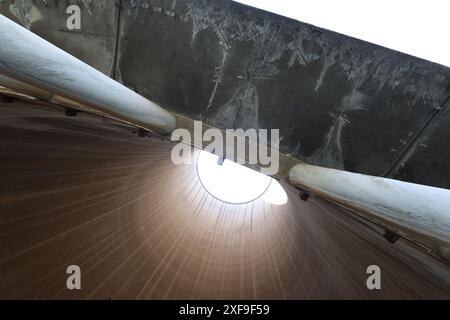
<point x="415" y="211"/>
<point x="27" y="58"/>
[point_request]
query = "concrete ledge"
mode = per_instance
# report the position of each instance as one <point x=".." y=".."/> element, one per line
<point x="418" y="212"/>
<point x="29" y="59"/>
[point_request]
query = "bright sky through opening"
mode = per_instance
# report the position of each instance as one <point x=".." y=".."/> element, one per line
<point x="236" y="184"/>
<point x="418" y="28"/>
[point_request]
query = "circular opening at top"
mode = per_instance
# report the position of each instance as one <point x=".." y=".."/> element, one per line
<point x="233" y="183"/>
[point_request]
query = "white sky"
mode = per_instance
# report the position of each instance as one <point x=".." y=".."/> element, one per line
<point x="419" y="28"/>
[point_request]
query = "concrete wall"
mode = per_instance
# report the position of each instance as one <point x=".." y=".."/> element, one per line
<point x="339" y="102"/>
<point x="88" y="192"/>
<point x="95" y="43"/>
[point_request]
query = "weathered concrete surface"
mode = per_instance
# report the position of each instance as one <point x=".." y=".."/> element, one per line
<point x="427" y="160"/>
<point x="87" y="191"/>
<point x="339" y="102"/>
<point x="94" y="44"/>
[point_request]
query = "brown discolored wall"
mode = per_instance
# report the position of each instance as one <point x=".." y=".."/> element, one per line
<point x="89" y="192"/>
